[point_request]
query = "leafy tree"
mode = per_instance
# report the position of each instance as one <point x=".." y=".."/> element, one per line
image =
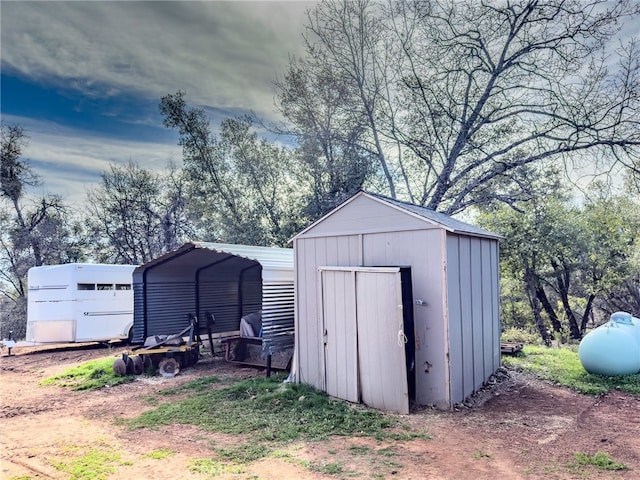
<point x="33" y="232"/>
<point x="243" y="188"/>
<point x="136" y="215"/>
<point x="472" y="92"/>
<point x="567" y="259"/>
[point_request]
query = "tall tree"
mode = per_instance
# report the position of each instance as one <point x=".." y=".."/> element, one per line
<point x="568" y="259"/>
<point x="33" y="231"/>
<point x="136" y="215"/>
<point x="329" y="131"/>
<point x="243" y="188"/>
<point x="473" y="91"/>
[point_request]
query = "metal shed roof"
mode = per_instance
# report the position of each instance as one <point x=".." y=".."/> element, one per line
<point x="276" y="262"/>
<point x="431" y="216"/>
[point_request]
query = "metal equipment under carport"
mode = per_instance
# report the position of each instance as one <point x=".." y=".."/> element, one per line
<point x="218" y="284"/>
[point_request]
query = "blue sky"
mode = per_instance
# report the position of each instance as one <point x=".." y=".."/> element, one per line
<point x="85" y="78"/>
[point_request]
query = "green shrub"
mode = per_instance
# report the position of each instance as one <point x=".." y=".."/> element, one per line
<point x="520" y="335"/>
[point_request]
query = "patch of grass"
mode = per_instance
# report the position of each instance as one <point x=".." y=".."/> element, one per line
<point x="244" y="453"/>
<point x="90" y="375"/>
<point x="600" y="460"/>
<point x="271" y="410"/>
<point x="160" y="453"/>
<point x="387" y="452"/>
<point x="359" y="450"/>
<point x="96" y="464"/>
<point x="562" y="366"/>
<point x="327" y="468"/>
<point x="391" y="464"/>
<point x="213" y="468"/>
<point x="198" y="385"/>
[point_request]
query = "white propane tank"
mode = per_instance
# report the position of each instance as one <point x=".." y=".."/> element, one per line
<point x="612" y="348"/>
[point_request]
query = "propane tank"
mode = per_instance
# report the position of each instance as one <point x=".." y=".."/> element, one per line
<point x="612" y="348"/>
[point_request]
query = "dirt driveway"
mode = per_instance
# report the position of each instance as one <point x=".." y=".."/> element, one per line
<point x="518" y="428"/>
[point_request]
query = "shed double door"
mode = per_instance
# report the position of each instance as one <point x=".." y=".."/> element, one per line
<point x="364" y="336"/>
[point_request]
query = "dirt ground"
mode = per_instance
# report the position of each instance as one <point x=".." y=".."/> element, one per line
<point x="518" y="427"/>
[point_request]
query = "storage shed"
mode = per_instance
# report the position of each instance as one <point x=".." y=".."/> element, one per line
<point x="220" y="280"/>
<point x="395" y="303"/>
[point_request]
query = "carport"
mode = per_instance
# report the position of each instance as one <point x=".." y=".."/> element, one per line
<point x="218" y="284"/>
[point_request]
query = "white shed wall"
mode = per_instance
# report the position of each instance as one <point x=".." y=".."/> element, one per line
<point x="423" y="251"/>
<point x="312" y="253"/>
<point x="474" y="321"/>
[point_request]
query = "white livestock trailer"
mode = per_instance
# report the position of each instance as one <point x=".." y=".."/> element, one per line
<point x="79" y="302"/>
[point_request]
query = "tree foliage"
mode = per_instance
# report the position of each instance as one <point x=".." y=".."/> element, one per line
<point x="457" y="97"/>
<point x="243" y="189"/>
<point x="571" y="263"/>
<point x="33" y="232"/>
<point x="136" y="215"/>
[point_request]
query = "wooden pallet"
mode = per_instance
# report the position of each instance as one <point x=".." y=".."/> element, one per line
<point x="510" y="347"/>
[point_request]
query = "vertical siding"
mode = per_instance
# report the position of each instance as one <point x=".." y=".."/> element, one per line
<point x="339" y="322"/>
<point x="472" y="283"/>
<point x="311" y="253"/>
<point x="456" y="356"/>
<point x="477" y="323"/>
<point x="383" y="375"/>
<point x="422" y="251"/>
<point x="487" y="308"/>
<point x="495" y="297"/>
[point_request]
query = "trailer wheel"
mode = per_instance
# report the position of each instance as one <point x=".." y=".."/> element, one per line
<point x="169" y="367"/>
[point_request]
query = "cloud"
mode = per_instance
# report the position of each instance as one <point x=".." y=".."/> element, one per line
<point x="69" y="161"/>
<point x="223" y="54"/>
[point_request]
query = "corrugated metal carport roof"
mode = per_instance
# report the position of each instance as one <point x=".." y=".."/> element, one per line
<point x="275" y="261"/>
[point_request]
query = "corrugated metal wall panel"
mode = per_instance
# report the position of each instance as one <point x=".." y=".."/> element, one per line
<point x="138" y="314"/>
<point x="277" y="317"/>
<point x="169" y="306"/>
<point x="221" y="299"/>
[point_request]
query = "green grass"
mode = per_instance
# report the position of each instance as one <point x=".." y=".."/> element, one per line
<point x="326" y="468"/>
<point x="271" y="410"/>
<point x="96" y="464"/>
<point x="600" y="460"/>
<point x="244" y="453"/>
<point x="214" y="468"/>
<point x="160" y="453"/>
<point x="89" y="376"/>
<point x="562" y="366"/>
<point x="199" y="385"/>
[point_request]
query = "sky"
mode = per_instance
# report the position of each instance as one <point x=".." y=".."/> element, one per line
<point x="84" y="78"/>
